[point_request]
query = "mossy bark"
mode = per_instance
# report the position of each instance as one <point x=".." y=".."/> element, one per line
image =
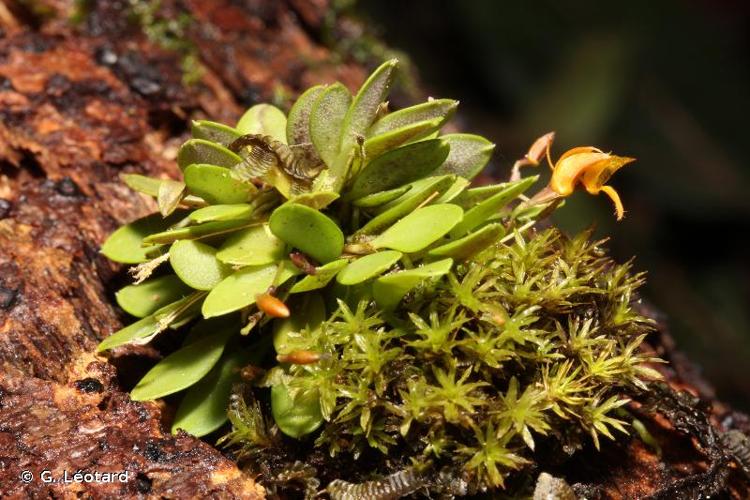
<point x="88" y="92"/>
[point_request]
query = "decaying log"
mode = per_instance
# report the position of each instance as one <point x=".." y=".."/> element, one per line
<point x="81" y="102"/>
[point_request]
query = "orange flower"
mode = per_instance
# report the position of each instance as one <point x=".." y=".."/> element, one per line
<point x="590" y="167"/>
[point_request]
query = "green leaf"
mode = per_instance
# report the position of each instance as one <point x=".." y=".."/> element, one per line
<point x="470" y="244"/>
<point x="364" y="108"/>
<point x="216" y="185"/>
<point x="169" y="196"/>
<point x="203" y="151"/>
<point x="253" y="246"/>
<point x="263" y="119"/>
<point x="238" y="290"/>
<point x="327" y="119"/>
<point x="308" y="311"/>
<point x="420" y="228"/>
<point x="124" y="245"/>
<point x="474" y="196"/>
<point x="454" y="191"/>
<point x="213" y="213"/>
<point x="196" y="264"/>
<point x="142" y="184"/>
<point x="400" y="166"/>
<point x="308" y="230"/>
<point x="389" y="290"/>
<point x="323" y="275"/>
<point x="485" y="210"/>
<point x="204" y="407"/>
<point x="182" y="368"/>
<point x="296" y="416"/>
<point x="368" y="267"/>
<point x="318" y="200"/>
<point x="142" y="300"/>
<point x="381" y="143"/>
<point x="469" y="155"/>
<point x="214" y="132"/>
<point x="143" y="330"/>
<point x="298" y="121"/>
<point x="398" y="208"/>
<point x="435" y="109"/>
<point x="140" y="329"/>
<point x="209" y="229"/>
<point x="380" y="198"/>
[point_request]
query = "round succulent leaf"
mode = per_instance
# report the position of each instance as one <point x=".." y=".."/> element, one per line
<point x="296" y="416"/>
<point x="298" y="121"/>
<point x="214" y="132"/>
<point x="204" y="407"/>
<point x="469" y="155"/>
<point x="147" y="297"/>
<point x="471" y="244"/>
<point x="327" y="119"/>
<point x="434" y="109"/>
<point x="125" y="244"/>
<point x="308" y="312"/>
<point x="203" y="151"/>
<point x="420" y="228"/>
<point x="239" y="289"/>
<point x="382" y="143"/>
<point x="253" y="246"/>
<point x="212" y="213"/>
<point x="367" y="267"/>
<point x="196" y="264"/>
<point x="142" y="184"/>
<point x="206" y="230"/>
<point x="182" y="368"/>
<point x="216" y="185"/>
<point x="308" y="230"/>
<point x="390" y="289"/>
<point x="479" y="214"/>
<point x="263" y="119"/>
<point x="323" y="275"/>
<point x="400" y="166"/>
<point x="380" y="198"/>
<point x="408" y="203"/>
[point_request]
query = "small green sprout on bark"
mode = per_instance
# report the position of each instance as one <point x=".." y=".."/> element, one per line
<point x="341" y="282"/>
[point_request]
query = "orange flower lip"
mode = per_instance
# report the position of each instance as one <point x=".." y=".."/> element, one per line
<point x="590" y="167"/>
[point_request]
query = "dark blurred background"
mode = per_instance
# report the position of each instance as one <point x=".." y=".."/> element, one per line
<point x="665" y="81"/>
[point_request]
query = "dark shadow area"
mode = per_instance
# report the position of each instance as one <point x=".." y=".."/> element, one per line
<point x="665" y="82"/>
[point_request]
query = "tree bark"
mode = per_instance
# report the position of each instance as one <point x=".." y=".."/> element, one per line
<point x="81" y="102"/>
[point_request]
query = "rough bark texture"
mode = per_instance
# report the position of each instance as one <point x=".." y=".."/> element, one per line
<point x="80" y="103"/>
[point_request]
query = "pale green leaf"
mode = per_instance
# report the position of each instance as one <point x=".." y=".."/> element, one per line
<point x="298" y="121"/>
<point x="145" y="298"/>
<point x="253" y="246"/>
<point x="390" y="289"/>
<point x="327" y="119"/>
<point x="323" y="275"/>
<point x="213" y="213"/>
<point x="296" y="416"/>
<point x="203" y="151"/>
<point x="420" y="228"/>
<point x="124" y="245"/>
<point x="214" y="132"/>
<point x="196" y="264"/>
<point x="367" y="267"/>
<point x="216" y="185"/>
<point x="263" y="119"/>
<point x="434" y="109"/>
<point x="400" y="166"/>
<point x="469" y="155"/>
<point x="470" y="244"/>
<point x="308" y="230"/>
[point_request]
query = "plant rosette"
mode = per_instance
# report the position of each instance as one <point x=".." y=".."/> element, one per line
<point x="343" y="287"/>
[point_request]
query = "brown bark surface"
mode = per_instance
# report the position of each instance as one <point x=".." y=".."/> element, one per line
<point x="81" y="103"/>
